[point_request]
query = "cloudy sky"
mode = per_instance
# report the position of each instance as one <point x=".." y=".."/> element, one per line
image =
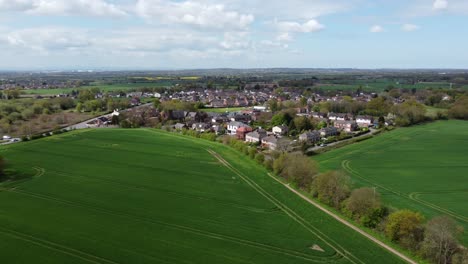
<point x="186" y="34"/>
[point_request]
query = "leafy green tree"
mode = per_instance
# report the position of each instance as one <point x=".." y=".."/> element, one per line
<point x="281" y="118"/>
<point x="302" y="123"/>
<point x="260" y="158"/>
<point x="459" y="110"/>
<point x="410" y="112"/>
<point x="332" y="187"/>
<point x="363" y="201"/>
<point x="79" y="107"/>
<point x="273" y="105"/>
<point x="156" y="103"/>
<point x="405" y="227"/>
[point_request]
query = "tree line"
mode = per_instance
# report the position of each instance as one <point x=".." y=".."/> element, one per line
<point x="436" y="240"/>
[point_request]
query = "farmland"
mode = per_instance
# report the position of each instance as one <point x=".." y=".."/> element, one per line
<point x="146" y="196"/>
<point x="422" y="168"/>
<point x="102" y="87"/>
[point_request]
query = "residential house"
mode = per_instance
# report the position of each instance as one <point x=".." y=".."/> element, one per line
<point x="217" y="103"/>
<point x="318" y="115"/>
<point x="241" y="118"/>
<point x="270" y="142"/>
<point x="338" y="117"/>
<point x="364" y="121"/>
<point x="347" y="126"/>
<point x="176" y="115"/>
<point x="233" y="126"/>
<point x="310" y="137"/>
<point x="135" y="101"/>
<point x="201" y="127"/>
<point x="280" y="130"/>
<point x="255" y="136"/>
<point x="328" y="131"/>
<point x="243" y="131"/>
<point x="193" y="116"/>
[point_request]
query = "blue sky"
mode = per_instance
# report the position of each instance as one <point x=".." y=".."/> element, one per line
<point x="186" y="34"/>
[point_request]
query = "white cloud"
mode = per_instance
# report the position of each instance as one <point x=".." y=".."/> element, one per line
<point x="64" y="7"/>
<point x="284" y="37"/>
<point x="49" y="39"/>
<point x="235" y="40"/>
<point x="440" y="4"/>
<point x="376" y="29"/>
<point x="409" y="27"/>
<point x="291" y="10"/>
<point x="307" y="27"/>
<point x="214" y="16"/>
<point x="16" y="5"/>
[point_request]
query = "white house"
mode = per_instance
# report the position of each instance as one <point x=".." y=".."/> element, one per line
<point x="364" y="121"/>
<point x="280" y="130"/>
<point x="260" y="108"/>
<point x="233" y="126"/>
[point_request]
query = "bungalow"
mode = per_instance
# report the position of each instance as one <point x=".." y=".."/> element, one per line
<point x="233" y="126"/>
<point x="242" y="132"/>
<point x="256" y="136"/>
<point x="328" y="131"/>
<point x="310" y="137"/>
<point x="201" y="127"/>
<point x="364" y="121"/>
<point x="280" y="130"/>
<point x="347" y="126"/>
<point x="270" y="142"/>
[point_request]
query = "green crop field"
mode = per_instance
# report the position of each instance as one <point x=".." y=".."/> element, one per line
<point x="102" y="87"/>
<point x="379" y="85"/>
<point x="423" y="168"/>
<point x="147" y="196"/>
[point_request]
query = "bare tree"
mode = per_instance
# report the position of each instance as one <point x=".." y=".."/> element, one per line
<point x="440" y="239"/>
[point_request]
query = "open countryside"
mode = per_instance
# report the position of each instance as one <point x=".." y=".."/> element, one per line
<point x="146" y="196"/>
<point x="423" y="168"/>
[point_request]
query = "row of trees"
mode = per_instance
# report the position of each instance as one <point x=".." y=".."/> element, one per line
<point x="435" y="240"/>
<point x="459" y="109"/>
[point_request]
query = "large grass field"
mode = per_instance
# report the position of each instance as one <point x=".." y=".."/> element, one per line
<point x="423" y="168"/>
<point x="102" y="87"/>
<point x="147" y="196"/>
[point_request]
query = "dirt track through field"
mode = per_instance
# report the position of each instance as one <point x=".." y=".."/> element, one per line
<point x="291" y="213"/>
<point x="346" y="254"/>
<point x="348" y="224"/>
